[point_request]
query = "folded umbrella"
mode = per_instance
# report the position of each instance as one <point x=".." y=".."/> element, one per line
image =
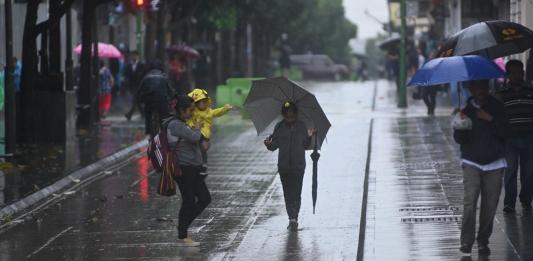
<point x="456" y="69"/>
<point x="491" y="39"/>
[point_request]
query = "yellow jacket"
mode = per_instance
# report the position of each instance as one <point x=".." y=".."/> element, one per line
<point x="206" y="116"/>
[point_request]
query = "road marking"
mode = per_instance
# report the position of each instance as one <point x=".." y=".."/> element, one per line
<point x="49" y="242"/>
<point x="362" y="223"/>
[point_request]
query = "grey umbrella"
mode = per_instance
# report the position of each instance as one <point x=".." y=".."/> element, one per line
<point x="264" y="105"/>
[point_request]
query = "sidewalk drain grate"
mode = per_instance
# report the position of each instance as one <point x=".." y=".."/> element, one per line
<point x="421" y="209"/>
<point x="424" y="165"/>
<point x="430" y="219"/>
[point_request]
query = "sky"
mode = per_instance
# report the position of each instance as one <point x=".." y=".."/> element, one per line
<point x="367" y="27"/>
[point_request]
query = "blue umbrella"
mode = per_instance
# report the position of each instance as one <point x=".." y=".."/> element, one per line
<point x="456" y="69"/>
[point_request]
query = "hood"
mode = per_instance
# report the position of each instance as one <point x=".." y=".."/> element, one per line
<point x="199" y="94"/>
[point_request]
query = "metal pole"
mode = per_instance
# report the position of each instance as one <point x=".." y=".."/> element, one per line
<point x="402" y="101"/>
<point x="69" y="86"/>
<point x="10" y="105"/>
<point x="139" y="34"/>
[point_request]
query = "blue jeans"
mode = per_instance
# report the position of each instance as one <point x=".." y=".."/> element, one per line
<point x="519" y="154"/>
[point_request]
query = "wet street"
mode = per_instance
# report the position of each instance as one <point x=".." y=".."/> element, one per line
<point x="412" y="212"/>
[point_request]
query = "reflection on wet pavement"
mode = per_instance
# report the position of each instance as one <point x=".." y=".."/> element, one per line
<point x="38" y="166"/>
<point x="414" y="200"/>
<point x="415" y="196"/>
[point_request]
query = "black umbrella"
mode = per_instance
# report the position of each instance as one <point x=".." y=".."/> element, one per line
<point x="389" y="42"/>
<point x="491" y="39"/>
<point x="264" y="104"/>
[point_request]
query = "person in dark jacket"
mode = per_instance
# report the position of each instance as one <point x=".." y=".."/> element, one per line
<point x="134" y="72"/>
<point x="155" y="92"/>
<point x="292" y="137"/>
<point x="483" y="160"/>
<point x="518" y="101"/>
<point x="194" y="192"/>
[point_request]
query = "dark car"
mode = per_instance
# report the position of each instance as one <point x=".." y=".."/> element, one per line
<point x="319" y="66"/>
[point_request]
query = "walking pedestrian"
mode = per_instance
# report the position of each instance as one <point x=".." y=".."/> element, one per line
<point x="285" y="55"/>
<point x="133" y="74"/>
<point x="292" y="137"/>
<point x="177" y="68"/>
<point x="429" y="96"/>
<point x="204" y="114"/>
<point x="106" y="88"/>
<point x="483" y="161"/>
<point x="518" y="101"/>
<point x="154" y="92"/>
<point x="194" y="192"/>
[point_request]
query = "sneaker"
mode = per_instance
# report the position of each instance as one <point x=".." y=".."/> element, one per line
<point x="526" y="206"/>
<point x="508" y="209"/>
<point x="483" y="250"/>
<point x="293" y="225"/>
<point x="187" y="242"/>
<point x="466" y="250"/>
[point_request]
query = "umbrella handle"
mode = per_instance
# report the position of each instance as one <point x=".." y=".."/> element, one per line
<point x="315" y="155"/>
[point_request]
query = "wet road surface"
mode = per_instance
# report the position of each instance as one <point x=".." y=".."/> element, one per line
<point x="413" y="175"/>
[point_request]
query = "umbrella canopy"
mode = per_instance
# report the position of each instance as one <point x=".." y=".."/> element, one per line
<point x="185" y="50"/>
<point x="391" y="41"/>
<point x="491" y="39"/>
<point x="267" y="97"/>
<point x="104" y="51"/>
<point x="456" y="69"/>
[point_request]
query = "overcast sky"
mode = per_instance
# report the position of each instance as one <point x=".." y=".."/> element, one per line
<point x="367" y="27"/>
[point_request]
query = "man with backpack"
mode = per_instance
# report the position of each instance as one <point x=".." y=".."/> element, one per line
<point x="154" y="92"/>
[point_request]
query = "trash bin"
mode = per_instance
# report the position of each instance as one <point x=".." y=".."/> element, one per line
<point x="223" y="95"/>
<point x="240" y="88"/>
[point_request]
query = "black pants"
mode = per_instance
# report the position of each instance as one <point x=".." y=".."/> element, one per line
<point x="429" y="94"/>
<point x="292" y="191"/>
<point x="194" y="197"/>
<point x="155" y="111"/>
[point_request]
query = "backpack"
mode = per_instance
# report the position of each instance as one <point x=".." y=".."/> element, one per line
<point x="164" y="161"/>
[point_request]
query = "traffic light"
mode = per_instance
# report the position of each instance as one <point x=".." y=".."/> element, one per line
<point x="139" y="5"/>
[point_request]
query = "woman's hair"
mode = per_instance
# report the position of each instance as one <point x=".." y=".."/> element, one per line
<point x="182" y="103"/>
<point x="289" y="107"/>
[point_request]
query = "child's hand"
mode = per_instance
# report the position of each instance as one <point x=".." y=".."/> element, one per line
<point x="311" y="132"/>
<point x="228" y="106"/>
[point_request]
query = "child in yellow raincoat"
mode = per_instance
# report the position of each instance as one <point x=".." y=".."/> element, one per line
<point x="204" y="114"/>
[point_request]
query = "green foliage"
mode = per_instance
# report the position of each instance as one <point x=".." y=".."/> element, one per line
<point x="318" y="26"/>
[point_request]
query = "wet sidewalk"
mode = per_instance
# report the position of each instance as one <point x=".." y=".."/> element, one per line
<point x="416" y="193"/>
<point x="39" y="165"/>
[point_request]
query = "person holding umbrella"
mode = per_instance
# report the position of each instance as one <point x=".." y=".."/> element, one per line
<point x="483" y="158"/>
<point x="292" y="137"/>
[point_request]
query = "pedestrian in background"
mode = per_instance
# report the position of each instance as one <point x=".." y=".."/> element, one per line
<point x="134" y="72"/>
<point x="155" y="93"/>
<point x="106" y="88"/>
<point x="194" y="192"/>
<point x="483" y="161"/>
<point x="518" y="101"/>
<point x="292" y="137"/>
<point x="284" y="55"/>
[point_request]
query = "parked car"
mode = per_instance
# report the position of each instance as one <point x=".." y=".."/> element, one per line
<point x="319" y="66"/>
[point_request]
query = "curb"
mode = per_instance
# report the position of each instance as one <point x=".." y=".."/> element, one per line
<point x="71" y="179"/>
